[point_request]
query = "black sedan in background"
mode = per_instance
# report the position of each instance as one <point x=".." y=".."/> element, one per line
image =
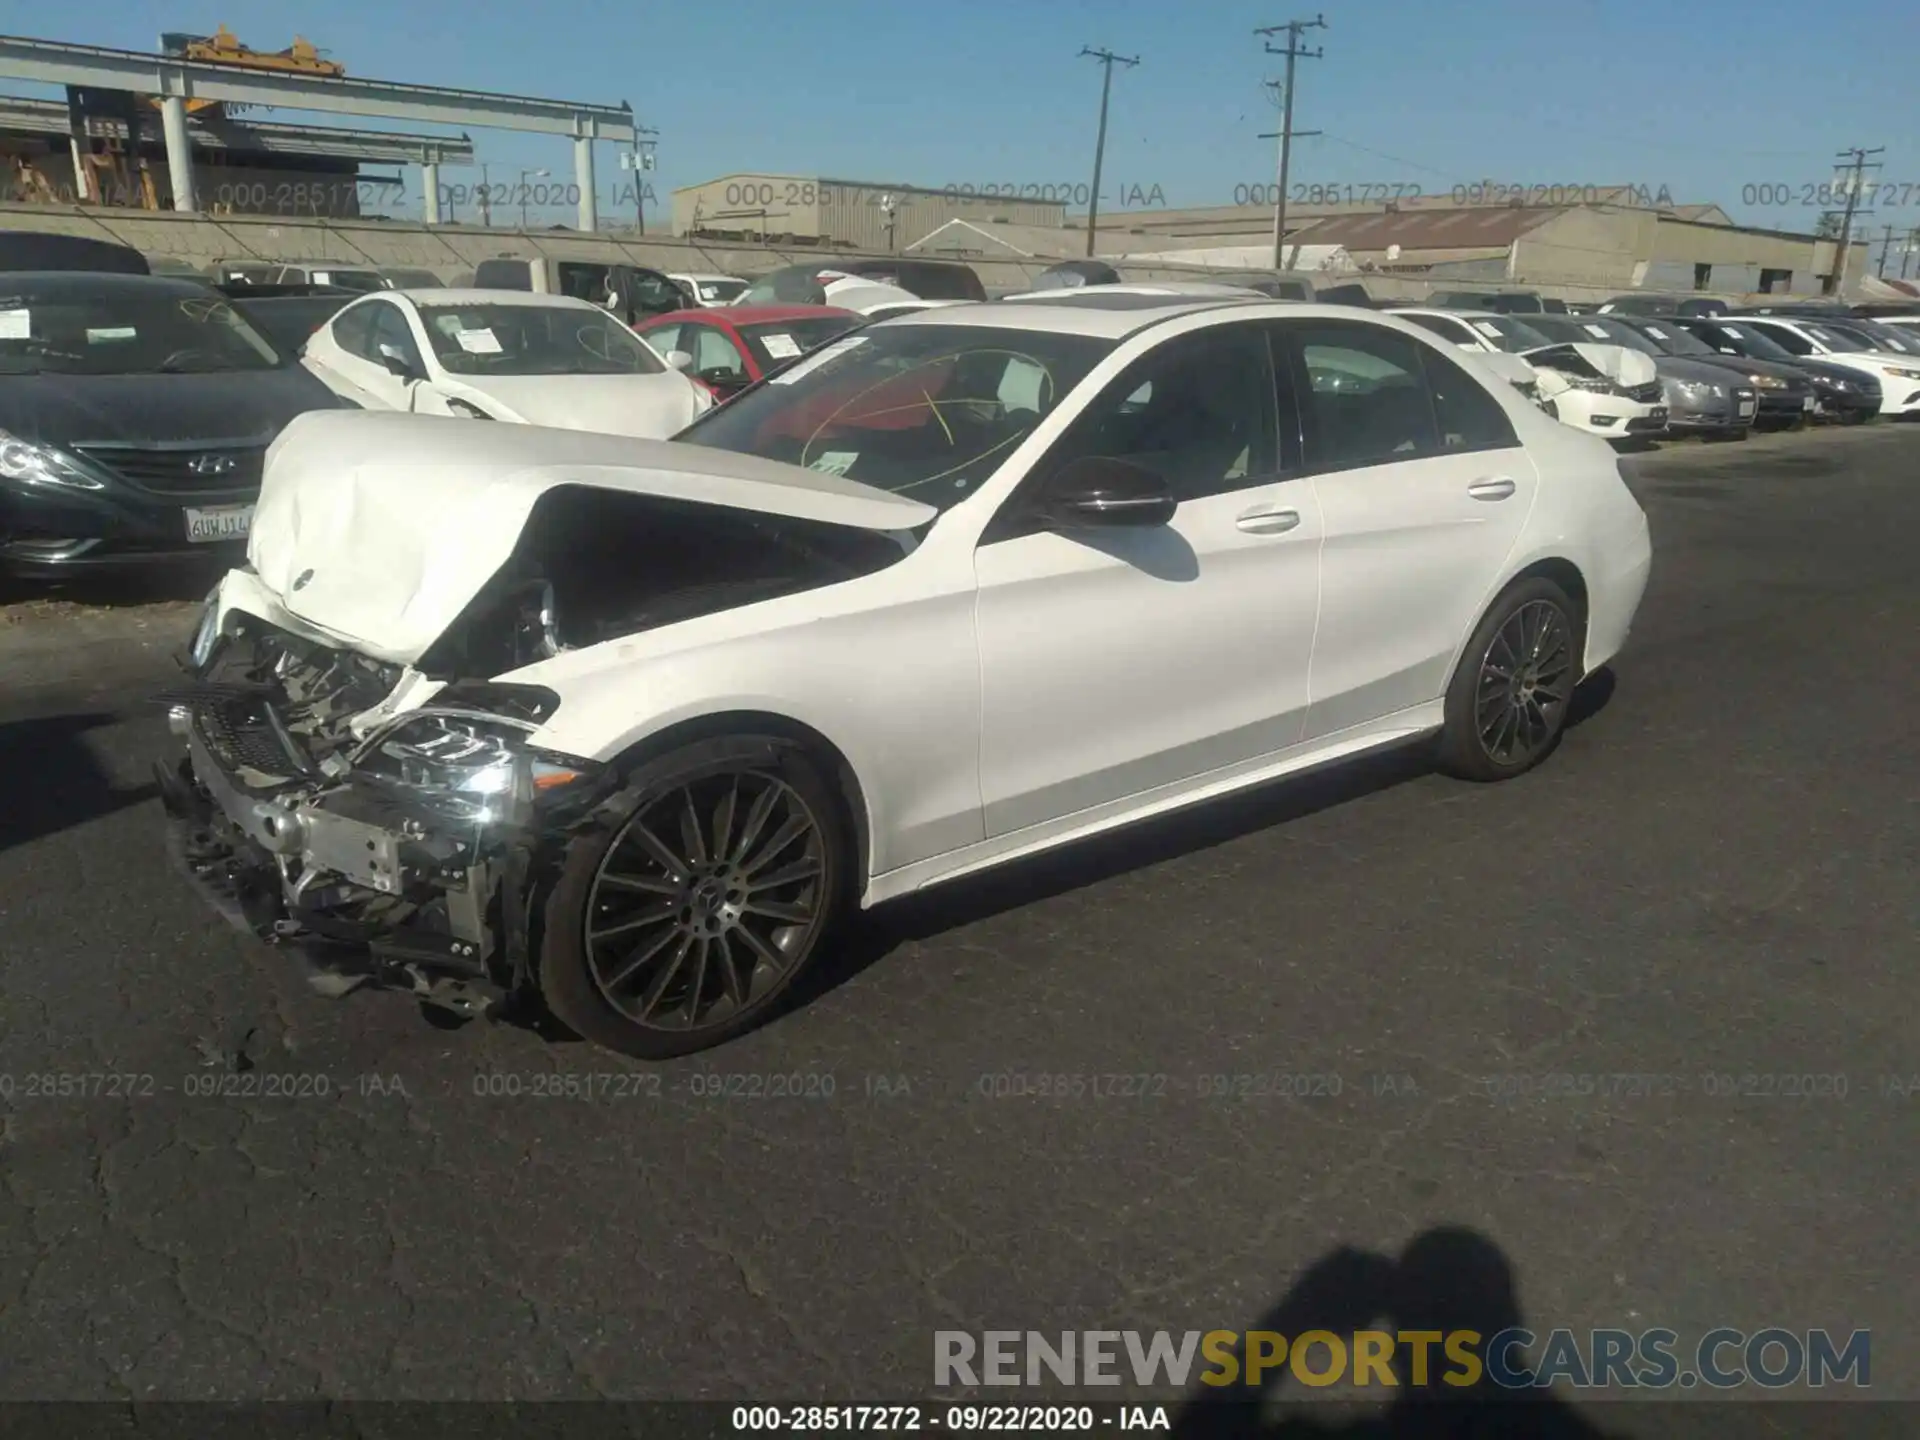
<point x="1840" y="393"/>
<point x="135" y="413"/>
<point x="1785" y="392"/>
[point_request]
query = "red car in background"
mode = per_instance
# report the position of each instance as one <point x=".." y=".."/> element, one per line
<point x="734" y="345"/>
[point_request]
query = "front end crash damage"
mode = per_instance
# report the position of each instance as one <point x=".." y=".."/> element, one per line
<point x="402" y="852"/>
<point x="395" y="823"/>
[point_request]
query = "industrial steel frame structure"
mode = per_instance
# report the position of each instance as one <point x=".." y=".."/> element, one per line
<point x="175" y="81"/>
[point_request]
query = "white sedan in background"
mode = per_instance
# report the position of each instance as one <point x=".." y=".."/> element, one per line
<point x="1592" y="385"/>
<point x="708" y="291"/>
<point x="502" y="355"/>
<point x="1838" y="343"/>
<point x="631" y="726"/>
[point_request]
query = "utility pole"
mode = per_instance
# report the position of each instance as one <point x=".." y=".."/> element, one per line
<point x="1293" y="30"/>
<point x="1107" y="61"/>
<point x="1859" y="166"/>
<point x="1907" y="250"/>
<point x="1886" y="251"/>
<point x="486" y="185"/>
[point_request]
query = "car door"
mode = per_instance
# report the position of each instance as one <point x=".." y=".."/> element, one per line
<point x="1423" y="488"/>
<point x="1116" y="661"/>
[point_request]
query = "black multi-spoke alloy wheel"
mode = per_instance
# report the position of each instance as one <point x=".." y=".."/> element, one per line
<point x="1507" y="704"/>
<point x="684" y="913"/>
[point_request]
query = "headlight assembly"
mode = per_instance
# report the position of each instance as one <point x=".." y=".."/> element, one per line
<point x="1766" y="382"/>
<point x="31" y="464"/>
<point x="468" y="766"/>
<point x="200" y="648"/>
<point x="1903" y="373"/>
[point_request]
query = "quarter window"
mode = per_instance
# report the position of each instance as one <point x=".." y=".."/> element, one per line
<point x="391" y="331"/>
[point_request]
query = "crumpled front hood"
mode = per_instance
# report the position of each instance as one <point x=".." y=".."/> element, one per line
<point x="649" y="407"/>
<point x="1616" y="362"/>
<point x="379" y="528"/>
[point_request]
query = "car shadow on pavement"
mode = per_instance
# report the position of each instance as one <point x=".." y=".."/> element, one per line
<point x="147" y="585"/>
<point x="1448" y="1279"/>
<point x="873" y="935"/>
<point x="52" y="781"/>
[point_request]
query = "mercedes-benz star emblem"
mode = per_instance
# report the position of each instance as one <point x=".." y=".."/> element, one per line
<point x="300" y="580"/>
<point x="213" y="465"/>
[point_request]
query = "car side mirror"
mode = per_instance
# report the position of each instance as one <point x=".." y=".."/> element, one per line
<point x="1099" y="491"/>
<point x="678" y="360"/>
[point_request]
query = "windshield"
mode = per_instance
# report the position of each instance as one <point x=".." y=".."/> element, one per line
<point x="1567" y="330"/>
<point x="1512" y="336"/>
<point x="412" y="280"/>
<point x="348" y="279"/>
<point x="1750" y="342"/>
<point x="925" y="411"/>
<point x="719" y="292"/>
<point x="775" y="342"/>
<point x="123" y="325"/>
<point x="535" y="340"/>
<point x="1891" y="337"/>
<point x="794" y="285"/>
<point x="1675" y="341"/>
<point x="1613" y="332"/>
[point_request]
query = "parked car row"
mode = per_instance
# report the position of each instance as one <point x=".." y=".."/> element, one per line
<point x="138" y="408"/>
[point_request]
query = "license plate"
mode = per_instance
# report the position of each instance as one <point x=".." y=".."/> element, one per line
<point x="1746" y="407"/>
<point x="1810" y="404"/>
<point x="1659" y="412"/>
<point x="219" y="522"/>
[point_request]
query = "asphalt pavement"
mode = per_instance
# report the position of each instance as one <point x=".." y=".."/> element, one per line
<point x="215" y="1183"/>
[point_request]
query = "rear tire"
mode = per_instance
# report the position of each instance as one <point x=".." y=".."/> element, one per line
<point x="687" y="907"/>
<point x="1507" y="704"/>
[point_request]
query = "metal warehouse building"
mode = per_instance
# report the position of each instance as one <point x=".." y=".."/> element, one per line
<point x="867" y="215"/>
<point x="1603" y="246"/>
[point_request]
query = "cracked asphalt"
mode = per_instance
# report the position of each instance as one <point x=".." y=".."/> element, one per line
<point x="1711" y="888"/>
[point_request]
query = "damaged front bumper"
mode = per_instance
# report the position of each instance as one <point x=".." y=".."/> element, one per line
<point x="369" y="881"/>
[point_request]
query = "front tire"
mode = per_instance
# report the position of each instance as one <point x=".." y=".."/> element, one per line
<point x="686" y="909"/>
<point x="1507" y="705"/>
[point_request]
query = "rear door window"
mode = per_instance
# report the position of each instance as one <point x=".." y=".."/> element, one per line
<point x="1365" y="399"/>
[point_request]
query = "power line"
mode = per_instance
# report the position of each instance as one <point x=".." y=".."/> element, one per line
<point x="1859" y="166"/>
<point x="1293" y="29"/>
<point x="1107" y="61"/>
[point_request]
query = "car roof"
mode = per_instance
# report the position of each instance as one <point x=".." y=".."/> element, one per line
<point x="734" y="316"/>
<point x="110" y="280"/>
<point x="1112" y="317"/>
<point x="447" y="295"/>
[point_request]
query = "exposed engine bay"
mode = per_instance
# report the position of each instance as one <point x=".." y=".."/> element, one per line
<point x="401" y="841"/>
<point x="594" y="565"/>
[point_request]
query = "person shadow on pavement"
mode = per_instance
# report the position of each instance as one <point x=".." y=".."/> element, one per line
<point x="1447" y="1279"/>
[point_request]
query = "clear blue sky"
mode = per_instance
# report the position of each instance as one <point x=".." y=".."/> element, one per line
<point x="1705" y="98"/>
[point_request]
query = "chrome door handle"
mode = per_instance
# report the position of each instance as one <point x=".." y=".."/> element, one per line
<point x="1498" y="489"/>
<point x="1264" y="521"/>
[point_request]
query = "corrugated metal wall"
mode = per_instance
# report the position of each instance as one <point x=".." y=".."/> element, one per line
<point x="845" y="212"/>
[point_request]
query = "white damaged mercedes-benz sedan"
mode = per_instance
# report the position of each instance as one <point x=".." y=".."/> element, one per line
<point x="502" y="713"/>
